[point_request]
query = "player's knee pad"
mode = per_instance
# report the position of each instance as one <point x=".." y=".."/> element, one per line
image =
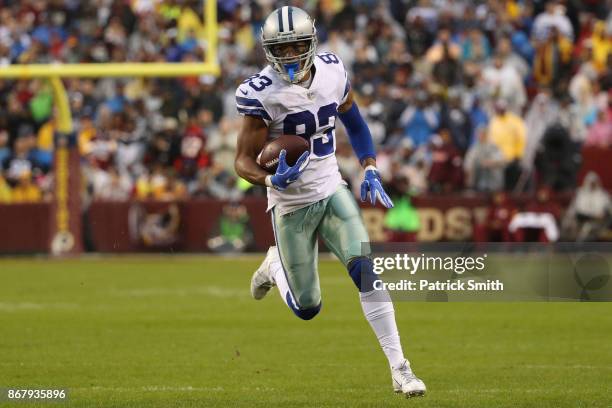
<point x="304" y="313"/>
<point x="361" y="270"/>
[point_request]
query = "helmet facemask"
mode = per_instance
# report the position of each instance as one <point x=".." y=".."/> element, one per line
<point x="292" y="68"/>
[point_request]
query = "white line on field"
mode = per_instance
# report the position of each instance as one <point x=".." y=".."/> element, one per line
<point x="214" y="291"/>
<point x="164" y="388"/>
<point x="566" y="366"/>
<point x="251" y="256"/>
<point x="17" y="306"/>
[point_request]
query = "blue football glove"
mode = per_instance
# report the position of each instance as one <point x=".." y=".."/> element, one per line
<point x="372" y="184"/>
<point x="286" y="174"/>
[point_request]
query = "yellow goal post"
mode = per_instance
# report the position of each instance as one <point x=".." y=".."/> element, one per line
<point x="209" y="66"/>
<point x="65" y="219"/>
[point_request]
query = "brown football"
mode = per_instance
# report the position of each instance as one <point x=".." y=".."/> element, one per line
<point x="294" y="145"/>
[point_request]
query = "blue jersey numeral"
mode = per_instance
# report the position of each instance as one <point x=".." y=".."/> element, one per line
<point x="300" y="124"/>
<point x="258" y="82"/>
<point x="304" y="124"/>
<point x="319" y="145"/>
<point x="329" y="58"/>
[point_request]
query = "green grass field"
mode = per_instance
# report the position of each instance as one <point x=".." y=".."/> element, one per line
<point x="184" y="332"/>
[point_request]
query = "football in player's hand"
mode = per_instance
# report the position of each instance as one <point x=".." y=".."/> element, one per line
<point x="294" y="145"/>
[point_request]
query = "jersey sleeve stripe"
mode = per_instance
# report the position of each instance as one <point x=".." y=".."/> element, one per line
<point x="248" y="102"/>
<point x="347" y="88"/>
<point x="250" y="108"/>
<point x="255" y="112"/>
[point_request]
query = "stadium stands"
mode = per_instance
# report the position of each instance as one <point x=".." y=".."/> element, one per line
<point x="462" y="97"/>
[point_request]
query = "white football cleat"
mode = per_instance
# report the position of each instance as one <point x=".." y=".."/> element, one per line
<point x="406" y="382"/>
<point x="262" y="280"/>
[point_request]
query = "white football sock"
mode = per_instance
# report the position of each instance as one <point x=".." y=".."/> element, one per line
<point x="280" y="279"/>
<point x="378" y="310"/>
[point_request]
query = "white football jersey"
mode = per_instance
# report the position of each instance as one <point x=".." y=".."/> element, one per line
<point x="307" y="112"/>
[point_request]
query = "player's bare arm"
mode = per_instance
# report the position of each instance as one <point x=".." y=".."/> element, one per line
<point x="251" y="139"/>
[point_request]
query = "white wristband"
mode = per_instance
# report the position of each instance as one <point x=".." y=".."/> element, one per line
<point x="371" y="167"/>
<point x="268" y="182"/>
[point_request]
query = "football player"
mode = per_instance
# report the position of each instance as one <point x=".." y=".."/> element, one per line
<point x="302" y="93"/>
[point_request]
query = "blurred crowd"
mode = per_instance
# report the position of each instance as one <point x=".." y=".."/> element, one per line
<point x="460" y="96"/>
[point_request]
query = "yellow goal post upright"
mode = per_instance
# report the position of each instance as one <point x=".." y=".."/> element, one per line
<point x="65" y="216"/>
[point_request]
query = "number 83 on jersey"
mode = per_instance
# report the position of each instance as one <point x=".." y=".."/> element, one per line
<point x="318" y="129"/>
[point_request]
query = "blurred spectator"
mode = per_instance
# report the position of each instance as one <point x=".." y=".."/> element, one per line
<point x="402" y="221"/>
<point x="516" y="61"/>
<point x="447" y="71"/>
<point x="605" y="78"/>
<point x="20" y="162"/>
<point x="420" y="120"/>
<point x="5" y="190"/>
<point x="40" y="102"/>
<point x="222" y="144"/>
<point x="484" y="165"/>
<point x="223" y="184"/>
<point x="545" y="203"/>
<point x="25" y="191"/>
<point x="557" y="159"/>
<point x="600" y="134"/>
<point x="569" y="117"/>
<point x="418" y="37"/>
<point x="164" y="146"/>
<point x="411" y="163"/>
<point x="581" y="89"/>
<point x="193" y="155"/>
<point x="539" y="220"/>
<point x="458" y="121"/>
<point x="601" y="45"/>
<point x="494" y="228"/>
<point x="552" y="60"/>
<point x="589" y="213"/>
<point x="444" y="49"/>
<point x="364" y="66"/>
<point x="478" y="117"/>
<point x="445" y="173"/>
<point x="86" y="133"/>
<point x="543" y="113"/>
<point x="5" y="150"/>
<point x="130" y="134"/>
<point x="160" y="184"/>
<point x="102" y="146"/>
<point x="154" y="229"/>
<point x="109" y="185"/>
<point x="233" y="233"/>
<point x="417" y="174"/>
<point x="475" y="47"/>
<point x="507" y="132"/>
<point x="501" y="81"/>
<point x="43" y="152"/>
<point x="553" y="17"/>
